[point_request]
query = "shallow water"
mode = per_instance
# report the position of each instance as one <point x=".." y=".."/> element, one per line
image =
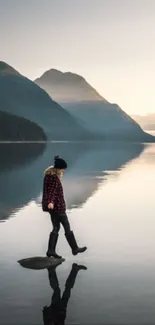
<point x="110" y="198"/>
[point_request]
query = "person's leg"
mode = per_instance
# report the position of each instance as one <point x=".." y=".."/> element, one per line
<point x="50" y="312"/>
<point x="53" y="238"/>
<point x="55" y="222"/>
<point x="54" y="283"/>
<point x="65" y="222"/>
<point x="70" y="235"/>
<point x="70" y="282"/>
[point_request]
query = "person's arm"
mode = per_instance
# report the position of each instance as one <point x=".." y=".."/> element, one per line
<point x="52" y="189"/>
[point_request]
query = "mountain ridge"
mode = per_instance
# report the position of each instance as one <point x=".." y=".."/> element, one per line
<point x="57" y="78"/>
<point x="6" y="69"/>
<point x="22" y="97"/>
<point x="96" y="115"/>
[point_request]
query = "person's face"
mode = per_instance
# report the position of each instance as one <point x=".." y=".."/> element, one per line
<point x="62" y="171"/>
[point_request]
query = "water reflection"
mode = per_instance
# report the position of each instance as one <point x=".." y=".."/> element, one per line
<point x="92" y="166"/>
<point x="17" y="155"/>
<point x="22" y="168"/>
<point x="16" y="165"/>
<point x="118" y="287"/>
<point x="55" y="313"/>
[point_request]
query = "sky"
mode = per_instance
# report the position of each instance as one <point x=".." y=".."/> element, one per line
<point x="109" y="42"/>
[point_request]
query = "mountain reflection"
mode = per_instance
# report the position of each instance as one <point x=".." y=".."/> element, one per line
<point x="22" y="165"/>
<point x="16" y="164"/>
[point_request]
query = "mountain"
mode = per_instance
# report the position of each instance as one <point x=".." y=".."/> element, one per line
<point x="107" y="119"/>
<point x="90" y="109"/>
<point x="22" y="97"/>
<point x="6" y="69"/>
<point x="67" y="87"/>
<point x="147" y="122"/>
<point x="15" y="128"/>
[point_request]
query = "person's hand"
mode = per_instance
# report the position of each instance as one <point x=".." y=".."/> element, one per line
<point x="50" y="206"/>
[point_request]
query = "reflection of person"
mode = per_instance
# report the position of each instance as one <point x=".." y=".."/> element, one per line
<point x="53" y="202"/>
<point x="55" y="314"/>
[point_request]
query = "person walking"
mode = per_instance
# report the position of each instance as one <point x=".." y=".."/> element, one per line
<point x="53" y="202"/>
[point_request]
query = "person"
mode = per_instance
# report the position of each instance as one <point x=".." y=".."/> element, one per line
<point x="53" y="202"/>
<point x="55" y="313"/>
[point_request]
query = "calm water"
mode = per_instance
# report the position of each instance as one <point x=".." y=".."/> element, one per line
<point x="110" y="197"/>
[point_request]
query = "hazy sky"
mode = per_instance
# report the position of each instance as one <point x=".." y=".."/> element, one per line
<point x="110" y="42"/>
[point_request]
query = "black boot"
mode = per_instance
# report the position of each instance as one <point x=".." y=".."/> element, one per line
<point x="72" y="276"/>
<point x="70" y="283"/>
<point x="73" y="244"/>
<point x="52" y="245"/>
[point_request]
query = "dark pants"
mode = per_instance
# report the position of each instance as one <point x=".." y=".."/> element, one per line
<point x="58" y="219"/>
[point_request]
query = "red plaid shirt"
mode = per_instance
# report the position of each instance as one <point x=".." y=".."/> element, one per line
<point x="53" y="193"/>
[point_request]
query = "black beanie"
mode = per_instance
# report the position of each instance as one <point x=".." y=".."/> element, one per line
<point x="59" y="163"/>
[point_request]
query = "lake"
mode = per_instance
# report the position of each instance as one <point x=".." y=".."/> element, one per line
<point x="109" y="189"/>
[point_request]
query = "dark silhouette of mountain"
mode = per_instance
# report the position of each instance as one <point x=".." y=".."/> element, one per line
<point x="22" y="166"/>
<point x="6" y="69"/>
<point x="90" y="109"/>
<point x="23" y="98"/>
<point x="147" y="122"/>
<point x="15" y="128"/>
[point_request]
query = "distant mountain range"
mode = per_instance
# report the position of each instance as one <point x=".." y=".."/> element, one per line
<point x="147" y="122"/>
<point x="23" y="98"/>
<point x="82" y="114"/>
<point x="90" y="109"/>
